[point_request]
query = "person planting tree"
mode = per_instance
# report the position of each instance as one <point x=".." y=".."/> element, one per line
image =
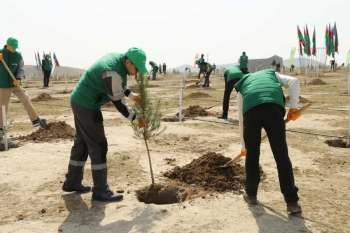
<point x="104" y="81"/>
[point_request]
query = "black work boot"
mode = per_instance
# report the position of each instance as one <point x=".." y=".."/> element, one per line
<point x="223" y="116"/>
<point x="107" y="196"/>
<point x="79" y="189"/>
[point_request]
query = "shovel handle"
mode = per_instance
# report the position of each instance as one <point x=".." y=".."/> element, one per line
<point x="302" y="109"/>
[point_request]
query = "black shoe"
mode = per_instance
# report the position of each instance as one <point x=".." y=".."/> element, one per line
<point x="251" y="200"/>
<point x="36" y="122"/>
<point x="79" y="189"/>
<point x="107" y="196"/>
<point x="222" y="116"/>
<point x="293" y="207"/>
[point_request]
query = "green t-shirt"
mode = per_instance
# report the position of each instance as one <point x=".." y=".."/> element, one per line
<point x="233" y="72"/>
<point x="243" y="63"/>
<point x="259" y="88"/>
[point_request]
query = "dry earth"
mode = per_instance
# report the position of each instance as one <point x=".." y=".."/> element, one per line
<point x="33" y="170"/>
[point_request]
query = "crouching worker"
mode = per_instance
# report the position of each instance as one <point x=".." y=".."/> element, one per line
<point x="261" y="104"/>
<point x="103" y="82"/>
<point x="206" y="68"/>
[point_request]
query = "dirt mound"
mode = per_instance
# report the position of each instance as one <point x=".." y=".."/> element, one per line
<point x="171" y="119"/>
<point x="52" y="132"/>
<point x="204" y="172"/>
<point x="160" y="194"/>
<point x="197" y="95"/>
<point x="194" y="111"/>
<point x="44" y="97"/>
<point x="64" y="92"/>
<point x="301" y="99"/>
<point x="317" y="81"/>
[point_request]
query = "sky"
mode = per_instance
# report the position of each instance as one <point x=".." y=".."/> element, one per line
<point x="172" y="32"/>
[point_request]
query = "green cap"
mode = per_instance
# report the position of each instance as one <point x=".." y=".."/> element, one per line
<point x="138" y="58"/>
<point x="47" y="55"/>
<point x="13" y="42"/>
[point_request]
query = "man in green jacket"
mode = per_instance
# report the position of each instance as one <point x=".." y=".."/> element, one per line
<point x="104" y="81"/>
<point x="14" y="61"/>
<point x="154" y="68"/>
<point x="46" y="68"/>
<point x="243" y="62"/>
<point x="261" y="104"/>
<point x="232" y="75"/>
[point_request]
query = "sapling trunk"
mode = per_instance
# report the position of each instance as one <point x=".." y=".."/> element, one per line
<point x="149" y="112"/>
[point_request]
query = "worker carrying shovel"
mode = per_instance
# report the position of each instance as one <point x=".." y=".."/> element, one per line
<point x="12" y="61"/>
<point x="261" y="104"/>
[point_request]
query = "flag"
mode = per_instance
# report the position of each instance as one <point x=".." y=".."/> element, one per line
<point x="301" y="41"/>
<point x="327" y="41"/>
<point x="39" y="60"/>
<point x="314" y="42"/>
<point x="348" y="59"/>
<point x="331" y="41"/>
<point x="336" y="41"/>
<point x="36" y="60"/>
<point x="55" y="59"/>
<point x="308" y="43"/>
<point x="195" y="59"/>
<point x="291" y="59"/>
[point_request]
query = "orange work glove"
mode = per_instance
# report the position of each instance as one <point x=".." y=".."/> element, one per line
<point x="291" y="114"/>
<point x="141" y="123"/>
<point x="137" y="99"/>
<point x="244" y="153"/>
<point x="16" y="83"/>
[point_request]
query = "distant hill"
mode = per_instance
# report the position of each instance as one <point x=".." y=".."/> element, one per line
<point x="183" y="67"/>
<point x="33" y="71"/>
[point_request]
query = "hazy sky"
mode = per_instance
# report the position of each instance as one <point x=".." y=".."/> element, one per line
<point x="80" y="32"/>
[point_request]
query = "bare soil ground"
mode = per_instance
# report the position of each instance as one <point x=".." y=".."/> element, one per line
<point x="185" y="159"/>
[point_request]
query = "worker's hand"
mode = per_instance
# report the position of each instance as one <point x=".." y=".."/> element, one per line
<point x="208" y="70"/>
<point x="137" y="99"/>
<point x="17" y="82"/>
<point x="244" y="153"/>
<point x="0" y="56"/>
<point x="292" y="115"/>
<point x="139" y="123"/>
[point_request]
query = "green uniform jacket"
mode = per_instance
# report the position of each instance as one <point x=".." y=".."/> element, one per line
<point x="233" y="72"/>
<point x="89" y="93"/>
<point x="273" y="63"/>
<point x="12" y="60"/>
<point x="47" y="64"/>
<point x="203" y="66"/>
<point x="259" y="88"/>
<point x="153" y="64"/>
<point x="243" y="61"/>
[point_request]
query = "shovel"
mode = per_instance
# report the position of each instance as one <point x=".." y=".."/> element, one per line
<point x="41" y="122"/>
<point x="302" y="109"/>
<point x="217" y="104"/>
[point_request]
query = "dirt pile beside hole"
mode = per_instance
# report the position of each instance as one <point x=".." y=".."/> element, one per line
<point x="205" y="172"/>
<point x="194" y="111"/>
<point x="317" y="81"/>
<point x="64" y="92"/>
<point x="171" y="119"/>
<point x="44" y="97"/>
<point x="301" y="99"/>
<point x="160" y="194"/>
<point x="54" y="131"/>
<point x="197" y="95"/>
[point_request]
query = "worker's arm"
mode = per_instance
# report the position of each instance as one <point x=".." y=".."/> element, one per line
<point x="240" y="118"/>
<point x="112" y="83"/>
<point x="293" y="86"/>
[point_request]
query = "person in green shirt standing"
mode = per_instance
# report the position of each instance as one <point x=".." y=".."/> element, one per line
<point x="104" y="81"/>
<point x="261" y="104"/>
<point x="273" y="63"/>
<point x="243" y="62"/>
<point x="46" y="67"/>
<point x="154" y="68"/>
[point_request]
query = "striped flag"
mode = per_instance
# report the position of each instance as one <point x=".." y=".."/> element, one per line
<point x="336" y="41"/>
<point x="39" y="60"/>
<point x="55" y="59"/>
<point x="314" y="43"/>
<point x="301" y="41"/>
